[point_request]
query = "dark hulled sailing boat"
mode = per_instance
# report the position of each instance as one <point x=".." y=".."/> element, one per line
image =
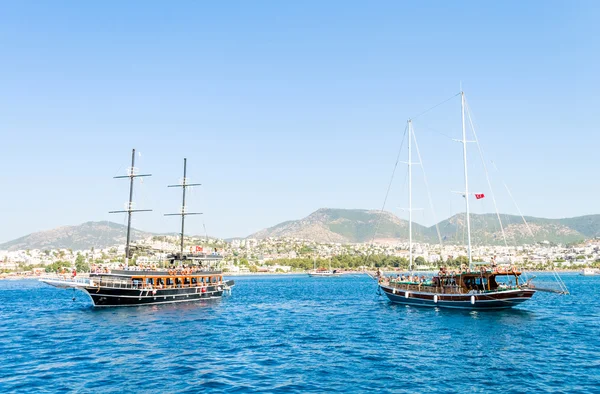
<point x="189" y="277"/>
<point x="469" y="288"/>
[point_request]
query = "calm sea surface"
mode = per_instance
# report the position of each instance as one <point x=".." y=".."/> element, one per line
<point x="297" y="334"/>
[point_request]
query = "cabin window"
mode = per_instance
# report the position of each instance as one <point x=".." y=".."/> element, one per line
<point x="169" y="282"/>
<point x="150" y="281"/>
<point x="186" y="281"/>
<point x="160" y="281"/>
<point x="194" y="281"/>
<point x="477" y="283"/>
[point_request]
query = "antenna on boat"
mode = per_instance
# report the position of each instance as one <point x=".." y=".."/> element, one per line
<point x="464" y="142"/>
<point x="184" y="185"/>
<point x="131" y="174"/>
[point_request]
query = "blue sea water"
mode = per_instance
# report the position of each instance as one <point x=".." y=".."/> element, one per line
<point x="297" y="334"/>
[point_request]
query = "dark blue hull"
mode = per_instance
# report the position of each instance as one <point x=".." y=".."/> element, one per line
<point x="477" y="301"/>
<point x="108" y="297"/>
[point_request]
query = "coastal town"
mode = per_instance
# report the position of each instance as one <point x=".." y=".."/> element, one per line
<point x="287" y="255"/>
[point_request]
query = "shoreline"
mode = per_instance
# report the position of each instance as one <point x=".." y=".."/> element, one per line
<point x="232" y="274"/>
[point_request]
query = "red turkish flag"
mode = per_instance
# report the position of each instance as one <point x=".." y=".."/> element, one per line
<point x="198" y="248"/>
<point x="479" y="196"/>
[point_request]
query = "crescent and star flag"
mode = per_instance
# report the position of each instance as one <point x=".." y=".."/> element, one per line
<point x="479" y="196"/>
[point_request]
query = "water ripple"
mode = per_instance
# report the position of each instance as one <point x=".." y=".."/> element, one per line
<point x="297" y="334"/>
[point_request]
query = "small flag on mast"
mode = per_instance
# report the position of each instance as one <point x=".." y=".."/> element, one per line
<point x="479" y="196"/>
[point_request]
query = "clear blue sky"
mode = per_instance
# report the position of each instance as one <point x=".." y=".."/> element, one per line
<point x="285" y="107"/>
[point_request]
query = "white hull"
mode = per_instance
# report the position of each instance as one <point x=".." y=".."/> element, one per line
<point x="590" y="272"/>
<point x="66" y="283"/>
<point x="323" y="274"/>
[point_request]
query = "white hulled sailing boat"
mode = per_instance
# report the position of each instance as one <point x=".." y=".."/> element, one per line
<point x="322" y="272"/>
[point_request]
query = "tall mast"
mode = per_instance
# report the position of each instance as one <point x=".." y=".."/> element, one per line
<point x="183" y="203"/>
<point x="184" y="185"/>
<point x="131" y="174"/>
<point x="464" y="141"/>
<point x="410" y="256"/>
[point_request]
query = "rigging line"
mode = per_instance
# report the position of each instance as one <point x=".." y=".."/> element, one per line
<point x="427" y="187"/>
<point x="514" y="202"/>
<point x="118" y="172"/>
<point x="387" y="192"/>
<point x="487" y="177"/>
<point x="561" y="283"/>
<point x="435" y="106"/>
<point x="516" y="205"/>
<point x="428" y="128"/>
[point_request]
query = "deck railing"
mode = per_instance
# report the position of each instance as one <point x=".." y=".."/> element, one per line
<point x="451" y="289"/>
<point x="128" y="284"/>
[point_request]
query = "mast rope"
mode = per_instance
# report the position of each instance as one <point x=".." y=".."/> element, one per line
<point x="557" y="277"/>
<point x="435" y="106"/>
<point x="427" y="188"/>
<point x="387" y="194"/>
<point x="487" y="177"/>
<point x="514" y="202"/>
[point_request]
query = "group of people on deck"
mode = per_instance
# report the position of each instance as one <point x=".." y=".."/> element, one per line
<point x="410" y="278"/>
<point x="403" y="278"/>
<point x="99" y="269"/>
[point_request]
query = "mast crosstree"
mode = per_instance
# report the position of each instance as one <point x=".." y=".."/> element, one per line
<point x="131" y="174"/>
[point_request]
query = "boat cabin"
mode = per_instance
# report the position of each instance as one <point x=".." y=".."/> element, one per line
<point x="175" y="281"/>
<point x="154" y="279"/>
<point x="458" y="282"/>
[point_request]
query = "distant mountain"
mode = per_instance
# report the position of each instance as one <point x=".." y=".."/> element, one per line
<point x="485" y="230"/>
<point x="83" y="236"/>
<point x="358" y="225"/>
<point x="342" y="225"/>
<point x="345" y="226"/>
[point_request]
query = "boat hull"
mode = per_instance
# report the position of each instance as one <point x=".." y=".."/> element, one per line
<point x="102" y="296"/>
<point x="476" y="301"/>
<point x="315" y="275"/>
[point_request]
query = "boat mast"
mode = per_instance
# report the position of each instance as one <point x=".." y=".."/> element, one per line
<point x="184" y="185"/>
<point x="410" y="256"/>
<point x="464" y="141"/>
<point x="131" y="174"/>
